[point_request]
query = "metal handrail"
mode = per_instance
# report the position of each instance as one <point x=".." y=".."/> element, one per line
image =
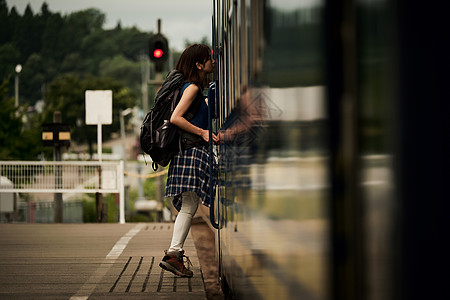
<point x="211" y="171"/>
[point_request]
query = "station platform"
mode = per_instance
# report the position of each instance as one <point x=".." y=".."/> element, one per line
<point x="92" y="261"/>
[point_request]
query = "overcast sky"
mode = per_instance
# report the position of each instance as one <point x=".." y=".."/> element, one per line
<point x="181" y="19"/>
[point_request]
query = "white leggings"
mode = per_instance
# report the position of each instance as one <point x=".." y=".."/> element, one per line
<point x="183" y="221"/>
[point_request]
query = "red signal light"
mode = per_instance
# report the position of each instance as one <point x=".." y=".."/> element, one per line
<point x="158" y="53"/>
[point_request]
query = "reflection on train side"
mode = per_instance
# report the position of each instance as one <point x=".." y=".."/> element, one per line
<point x="273" y="191"/>
<point x="273" y="185"/>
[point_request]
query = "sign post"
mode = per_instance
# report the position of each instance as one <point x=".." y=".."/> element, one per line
<point x="99" y="112"/>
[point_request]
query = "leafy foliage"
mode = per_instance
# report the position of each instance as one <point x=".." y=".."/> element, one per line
<point x="62" y="56"/>
<point x="48" y="45"/>
<point x="17" y="140"/>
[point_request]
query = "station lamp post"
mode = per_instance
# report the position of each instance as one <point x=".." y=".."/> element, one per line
<point x="16" y="85"/>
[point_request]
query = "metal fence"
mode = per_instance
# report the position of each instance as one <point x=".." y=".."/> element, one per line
<point x="64" y="177"/>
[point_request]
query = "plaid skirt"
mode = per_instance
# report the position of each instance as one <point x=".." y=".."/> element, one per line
<point x="189" y="172"/>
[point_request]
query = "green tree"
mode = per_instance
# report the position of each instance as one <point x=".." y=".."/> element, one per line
<point x="131" y="42"/>
<point x="53" y="49"/>
<point x="48" y="44"/>
<point x="96" y="47"/>
<point x="26" y="38"/>
<point x="17" y="142"/>
<point x="77" y="26"/>
<point x="33" y="77"/>
<point x="4" y="24"/>
<point x="123" y="69"/>
<point x="10" y="127"/>
<point x="9" y="58"/>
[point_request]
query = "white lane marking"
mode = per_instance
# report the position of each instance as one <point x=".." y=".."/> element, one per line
<point x="89" y="286"/>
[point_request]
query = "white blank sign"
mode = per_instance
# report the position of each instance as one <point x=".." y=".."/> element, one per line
<point x="98" y="107"/>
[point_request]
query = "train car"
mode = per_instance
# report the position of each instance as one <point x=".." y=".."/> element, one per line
<point x="329" y="117"/>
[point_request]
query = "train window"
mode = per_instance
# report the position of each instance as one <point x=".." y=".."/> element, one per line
<point x="255" y="30"/>
<point x="292" y="44"/>
<point x="243" y="50"/>
<point x="236" y="52"/>
<point x="375" y="144"/>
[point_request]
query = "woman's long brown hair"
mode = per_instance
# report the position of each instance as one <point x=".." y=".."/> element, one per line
<point x="192" y="55"/>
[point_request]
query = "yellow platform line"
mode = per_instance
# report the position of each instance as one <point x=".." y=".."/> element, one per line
<point x="146" y="175"/>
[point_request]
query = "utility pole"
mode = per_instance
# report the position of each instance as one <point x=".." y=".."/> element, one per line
<point x="159" y="54"/>
<point x="57" y="198"/>
<point x="145" y="77"/>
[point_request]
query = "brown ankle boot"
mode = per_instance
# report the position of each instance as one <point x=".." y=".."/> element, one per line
<point x="173" y="262"/>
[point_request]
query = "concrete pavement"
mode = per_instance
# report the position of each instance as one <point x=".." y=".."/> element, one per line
<point x="92" y="261"/>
